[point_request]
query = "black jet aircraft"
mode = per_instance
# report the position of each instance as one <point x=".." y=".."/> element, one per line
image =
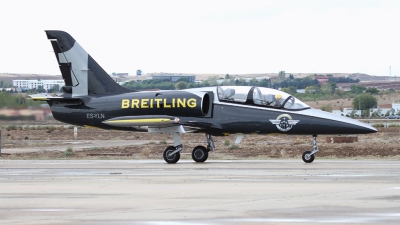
<point x="91" y="98"/>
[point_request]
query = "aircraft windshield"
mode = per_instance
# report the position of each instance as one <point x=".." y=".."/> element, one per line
<point x="259" y="96"/>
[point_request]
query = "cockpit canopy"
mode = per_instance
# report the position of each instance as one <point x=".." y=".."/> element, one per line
<point x="259" y="96"/>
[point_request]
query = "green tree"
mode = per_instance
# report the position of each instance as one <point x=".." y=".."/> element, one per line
<point x="181" y="85"/>
<point x="281" y="76"/>
<point x="372" y="91"/>
<point x="253" y="82"/>
<point x="327" y="88"/>
<point x="327" y="108"/>
<point x="365" y="113"/>
<point x="240" y="82"/>
<point x="205" y="83"/>
<point x="16" y="101"/>
<point x="138" y="72"/>
<point x="212" y="81"/>
<point x="264" y="83"/>
<point x="311" y="89"/>
<point x="229" y="80"/>
<point x="357" y="89"/>
<point x="377" y="113"/>
<point x="184" y="79"/>
<point x="165" y="86"/>
<point x="290" y="90"/>
<point x="392" y="111"/>
<point x="364" y="101"/>
<point x="4" y="84"/>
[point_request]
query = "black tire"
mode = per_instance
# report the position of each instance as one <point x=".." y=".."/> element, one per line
<point x="172" y="159"/>
<point x="200" y="154"/>
<point x="307" y="158"/>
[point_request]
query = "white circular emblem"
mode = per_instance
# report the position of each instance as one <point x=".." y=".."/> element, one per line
<point x="284" y="122"/>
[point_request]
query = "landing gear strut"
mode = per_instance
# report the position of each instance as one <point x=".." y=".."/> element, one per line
<point x="308" y="156"/>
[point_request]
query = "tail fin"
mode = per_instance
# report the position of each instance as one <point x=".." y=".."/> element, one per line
<point x="81" y="73"/>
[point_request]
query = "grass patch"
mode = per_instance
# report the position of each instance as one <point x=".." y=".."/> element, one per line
<point x="233" y="146"/>
<point x="226" y="143"/>
<point x="69" y="152"/>
<point x="11" y="127"/>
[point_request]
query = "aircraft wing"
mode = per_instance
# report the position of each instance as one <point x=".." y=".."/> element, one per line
<point x="159" y="122"/>
<point x="150" y="121"/>
<point x="203" y="124"/>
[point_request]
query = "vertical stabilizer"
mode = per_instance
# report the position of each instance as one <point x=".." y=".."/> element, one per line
<point x="81" y="73"/>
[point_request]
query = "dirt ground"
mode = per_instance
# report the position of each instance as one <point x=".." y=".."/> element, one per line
<point x="54" y="141"/>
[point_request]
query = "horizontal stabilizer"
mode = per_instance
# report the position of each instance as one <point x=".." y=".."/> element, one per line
<point x="47" y="97"/>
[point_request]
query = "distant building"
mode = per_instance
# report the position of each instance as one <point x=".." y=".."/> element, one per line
<point x="8" y="89"/>
<point x="321" y="79"/>
<point x="346" y="112"/>
<point x="386" y="110"/>
<point x="119" y="74"/>
<point x="383" y="110"/>
<point x="34" y="84"/>
<point x="247" y="79"/>
<point x="173" y="77"/>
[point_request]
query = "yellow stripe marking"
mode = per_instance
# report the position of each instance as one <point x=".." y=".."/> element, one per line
<point x="39" y="98"/>
<point x="141" y="121"/>
<point x="88" y="126"/>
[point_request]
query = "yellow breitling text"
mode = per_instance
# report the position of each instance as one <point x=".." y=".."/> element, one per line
<point x="157" y="103"/>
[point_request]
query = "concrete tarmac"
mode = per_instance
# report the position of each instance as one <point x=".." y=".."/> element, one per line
<point x="215" y="192"/>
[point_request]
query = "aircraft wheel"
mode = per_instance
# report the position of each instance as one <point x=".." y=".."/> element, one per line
<point x="173" y="158"/>
<point x="307" y="157"/>
<point x="199" y="154"/>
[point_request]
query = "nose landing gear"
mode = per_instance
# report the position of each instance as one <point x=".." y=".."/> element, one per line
<point x="308" y="156"/>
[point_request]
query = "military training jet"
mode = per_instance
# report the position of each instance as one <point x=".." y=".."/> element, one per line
<point x="91" y="98"/>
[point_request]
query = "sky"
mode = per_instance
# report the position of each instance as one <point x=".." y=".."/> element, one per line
<point x="207" y="36"/>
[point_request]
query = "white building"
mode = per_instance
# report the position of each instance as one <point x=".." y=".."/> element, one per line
<point x="34" y="84"/>
<point x="391" y="111"/>
<point x="382" y="111"/>
<point x="346" y="112"/>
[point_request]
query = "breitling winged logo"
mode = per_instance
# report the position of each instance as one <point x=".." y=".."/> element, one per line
<point x="284" y="122"/>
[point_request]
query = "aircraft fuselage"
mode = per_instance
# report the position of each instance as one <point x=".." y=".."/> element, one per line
<point x="215" y="117"/>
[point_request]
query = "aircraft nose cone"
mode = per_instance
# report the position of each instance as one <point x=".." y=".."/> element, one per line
<point x="373" y="130"/>
<point x="328" y="123"/>
<point x="352" y="126"/>
<point x="366" y="129"/>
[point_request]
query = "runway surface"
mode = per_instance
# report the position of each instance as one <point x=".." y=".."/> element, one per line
<point x="215" y="192"/>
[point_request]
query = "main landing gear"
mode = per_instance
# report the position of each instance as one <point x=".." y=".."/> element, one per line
<point x="308" y="156"/>
<point x="199" y="154"/>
